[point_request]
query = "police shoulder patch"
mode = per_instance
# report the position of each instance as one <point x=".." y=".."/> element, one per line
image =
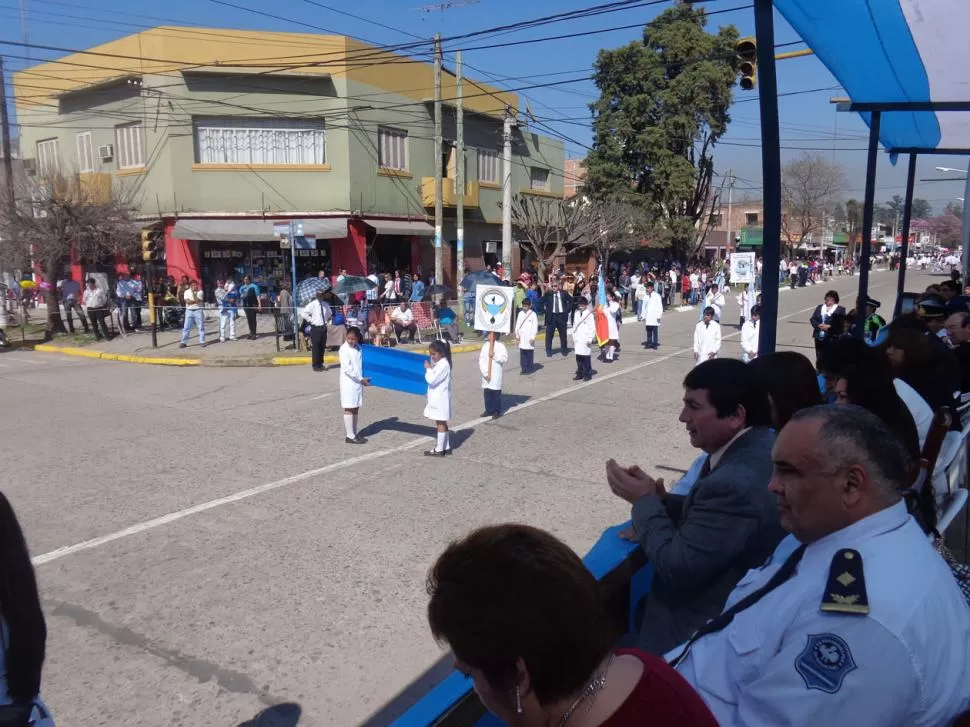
<point x="824" y="662"/>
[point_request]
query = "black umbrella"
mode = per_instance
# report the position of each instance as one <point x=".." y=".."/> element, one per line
<point x="349" y="284"/>
<point x="438" y="290"/>
<point x="471" y="281"/>
<point x="307" y="289"/>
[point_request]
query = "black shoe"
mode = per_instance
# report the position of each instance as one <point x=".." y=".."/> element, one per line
<point x="577" y="377"/>
<point x="587" y="378"/>
<point x="436" y="453"/>
<point x="448" y="452"/>
<point x="485" y="414"/>
<point x="496" y="415"/>
<point x="182" y="345"/>
<point x="318" y="368"/>
<point x="356" y="440"/>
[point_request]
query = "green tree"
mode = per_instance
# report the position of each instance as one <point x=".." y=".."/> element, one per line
<point x="663" y="106"/>
<point x="922" y="209"/>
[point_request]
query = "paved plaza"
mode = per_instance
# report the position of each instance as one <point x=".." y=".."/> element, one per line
<point x="207" y="546"/>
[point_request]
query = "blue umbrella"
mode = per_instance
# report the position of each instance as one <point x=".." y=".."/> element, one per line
<point x="307" y="289"/>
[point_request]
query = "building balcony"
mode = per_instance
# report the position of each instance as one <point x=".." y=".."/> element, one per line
<point x="449" y="198"/>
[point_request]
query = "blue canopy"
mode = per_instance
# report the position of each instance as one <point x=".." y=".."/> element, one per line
<point x="903" y="51"/>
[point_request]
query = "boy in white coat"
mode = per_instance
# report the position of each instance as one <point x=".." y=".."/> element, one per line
<point x="526" y="330"/>
<point x="653" y="310"/>
<point x="584" y="331"/>
<point x="749" y="335"/>
<point x="707" y="337"/>
<point x="492" y="382"/>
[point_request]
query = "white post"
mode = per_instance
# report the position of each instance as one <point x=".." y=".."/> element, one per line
<point x="438" y="211"/>
<point x="965" y="259"/>
<point x="507" y="192"/>
<point x="459" y="183"/>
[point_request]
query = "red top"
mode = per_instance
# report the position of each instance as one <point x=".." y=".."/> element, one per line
<point x="661" y="698"/>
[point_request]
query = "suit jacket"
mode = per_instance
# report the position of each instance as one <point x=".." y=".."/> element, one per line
<point x="837" y="322"/>
<point x="702" y="543"/>
<point x="566" y="303"/>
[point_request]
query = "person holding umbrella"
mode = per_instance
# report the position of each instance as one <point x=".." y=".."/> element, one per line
<point x="317" y="313"/>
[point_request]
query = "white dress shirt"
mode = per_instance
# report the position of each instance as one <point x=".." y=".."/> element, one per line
<point x="785" y="663"/>
<point x="317" y="313"/>
<point x="707" y="340"/>
<point x="526" y="329"/>
<point x="96" y="298"/>
<point x="404" y="317"/>
<point x="749" y="339"/>
<point x="500" y="358"/>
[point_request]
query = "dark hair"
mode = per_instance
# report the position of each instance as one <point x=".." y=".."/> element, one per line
<point x="756" y="310"/>
<point x="506" y="592"/>
<point x="833" y="294"/>
<point x="789" y="380"/>
<point x="709" y="311"/>
<point x="20" y="607"/>
<point x="917" y="355"/>
<point x="92" y="280"/>
<point x="951" y="285"/>
<point x="731" y="384"/>
<point x="847" y="354"/>
<point x="355" y="329"/>
<point x="442" y="347"/>
<point x="908" y="321"/>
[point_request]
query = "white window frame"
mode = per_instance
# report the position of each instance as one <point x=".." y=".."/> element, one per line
<point x="489" y="161"/>
<point x="85" y="152"/>
<point x="544" y="186"/>
<point x="130" y="145"/>
<point x="48" y="156"/>
<point x="392" y="147"/>
<point x="260" y="141"/>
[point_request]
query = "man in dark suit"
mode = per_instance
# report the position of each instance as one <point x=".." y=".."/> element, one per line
<point x="556" y="304"/>
<point x="702" y="543"/>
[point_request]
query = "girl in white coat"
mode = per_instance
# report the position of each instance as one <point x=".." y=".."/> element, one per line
<point x="352" y="383"/>
<point x="707" y="337"/>
<point x="438" y="375"/>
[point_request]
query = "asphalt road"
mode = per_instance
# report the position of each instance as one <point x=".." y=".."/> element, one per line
<point x="207" y="546"/>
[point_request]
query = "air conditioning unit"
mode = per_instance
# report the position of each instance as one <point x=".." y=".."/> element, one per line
<point x="490" y="246"/>
<point x="106" y="152"/>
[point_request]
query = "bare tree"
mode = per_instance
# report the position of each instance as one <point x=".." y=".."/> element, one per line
<point x="549" y="229"/>
<point x="56" y="215"/>
<point x="613" y="227"/>
<point x="809" y="191"/>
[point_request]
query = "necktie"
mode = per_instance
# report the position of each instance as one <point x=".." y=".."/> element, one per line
<point x="718" y="623"/>
<point x="555" y="303"/>
<point x="706" y="469"/>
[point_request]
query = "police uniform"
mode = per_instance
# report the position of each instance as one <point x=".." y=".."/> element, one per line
<point x="870" y="630"/>
<point x="874" y="323"/>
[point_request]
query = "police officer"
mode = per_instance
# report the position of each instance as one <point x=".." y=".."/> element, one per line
<point x="855" y="620"/>
<point x="874" y="322"/>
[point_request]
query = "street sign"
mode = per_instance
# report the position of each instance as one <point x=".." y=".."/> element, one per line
<point x="297" y="226"/>
<point x="308" y="242"/>
<point x="281" y="229"/>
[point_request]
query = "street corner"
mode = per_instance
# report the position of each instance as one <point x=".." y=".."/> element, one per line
<point x="121" y="357"/>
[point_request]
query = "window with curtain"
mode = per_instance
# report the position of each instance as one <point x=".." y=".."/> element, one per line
<point x="131" y="146"/>
<point x="48" y="157"/>
<point x="539" y="178"/>
<point x="488" y="164"/>
<point x="85" y="152"/>
<point x="392" y="148"/>
<point x="260" y="141"/>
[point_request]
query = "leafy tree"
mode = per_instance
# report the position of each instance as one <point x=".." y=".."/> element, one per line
<point x="809" y="185"/>
<point x="663" y="106"/>
<point x="921" y="209"/>
<point x="61" y="214"/>
<point x="947" y="228"/>
<point x="953" y="208"/>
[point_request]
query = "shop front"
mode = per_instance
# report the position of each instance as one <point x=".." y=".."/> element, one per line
<point x="265" y="262"/>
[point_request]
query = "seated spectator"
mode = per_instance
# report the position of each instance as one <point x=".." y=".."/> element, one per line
<point x="911" y="358"/>
<point x="378" y="325"/>
<point x="855" y="620"/>
<point x="702" y="543"/>
<point x="402" y="319"/>
<point x="527" y="622"/>
<point x="447" y="320"/>
<point x="790" y="382"/>
<point x="958" y="331"/>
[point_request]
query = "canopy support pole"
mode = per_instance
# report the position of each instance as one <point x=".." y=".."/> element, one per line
<point x="904" y="247"/>
<point x="770" y="173"/>
<point x="860" y="305"/>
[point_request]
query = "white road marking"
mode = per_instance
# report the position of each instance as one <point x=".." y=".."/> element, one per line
<point x="322" y="396"/>
<point x="25" y="360"/>
<point x="344" y="464"/>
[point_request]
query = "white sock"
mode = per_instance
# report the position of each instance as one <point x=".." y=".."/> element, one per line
<point x="442" y="442"/>
<point x="448" y="439"/>
<point x="349" y="425"/>
<point x="354" y="415"/>
<point x="609" y="353"/>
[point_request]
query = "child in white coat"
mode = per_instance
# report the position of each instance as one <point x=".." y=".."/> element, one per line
<point x="584" y="331"/>
<point x="653" y="310"/>
<point x="352" y="383"/>
<point x="438" y="375"/>
<point x="749" y="335"/>
<point x="707" y="337"/>
<point x="526" y="330"/>
<point x="492" y="382"/>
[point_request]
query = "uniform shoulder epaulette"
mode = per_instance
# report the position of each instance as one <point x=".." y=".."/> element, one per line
<point x="845" y="591"/>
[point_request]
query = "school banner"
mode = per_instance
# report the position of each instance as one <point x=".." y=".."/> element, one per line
<point x="390" y="368"/>
<point x="493" y="308"/>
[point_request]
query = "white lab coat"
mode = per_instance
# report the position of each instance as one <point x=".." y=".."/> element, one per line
<point x="612" y="325"/>
<point x="351" y="376"/>
<point x="707" y="340"/>
<point x="526" y="329"/>
<point x="653" y="309"/>
<point x="783" y="661"/>
<point x="749" y="340"/>
<point x="584" y="331"/>
<point x="501" y="358"/>
<point x="439" y="391"/>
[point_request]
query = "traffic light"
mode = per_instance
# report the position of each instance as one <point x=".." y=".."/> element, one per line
<point x="149" y="245"/>
<point x="747" y="52"/>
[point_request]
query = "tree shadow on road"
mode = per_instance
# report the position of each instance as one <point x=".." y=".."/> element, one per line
<point x="280" y="715"/>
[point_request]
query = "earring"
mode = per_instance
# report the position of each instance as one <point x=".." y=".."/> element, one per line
<point x="518" y="701"/>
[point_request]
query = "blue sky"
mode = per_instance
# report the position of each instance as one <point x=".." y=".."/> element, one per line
<point x="808" y="120"/>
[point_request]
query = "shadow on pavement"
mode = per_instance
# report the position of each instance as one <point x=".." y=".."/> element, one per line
<point x="394" y="424"/>
<point x="280" y="715"/>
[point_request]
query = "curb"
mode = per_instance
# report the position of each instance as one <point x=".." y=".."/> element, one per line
<point x="127" y="358"/>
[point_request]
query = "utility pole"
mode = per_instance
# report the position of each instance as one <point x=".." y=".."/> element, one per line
<point x="730" y="239"/>
<point x="459" y="182"/>
<point x="507" y="191"/>
<point x="438" y="211"/>
<point x="9" y="200"/>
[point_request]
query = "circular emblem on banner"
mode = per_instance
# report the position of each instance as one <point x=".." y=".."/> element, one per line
<point x="494" y="304"/>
